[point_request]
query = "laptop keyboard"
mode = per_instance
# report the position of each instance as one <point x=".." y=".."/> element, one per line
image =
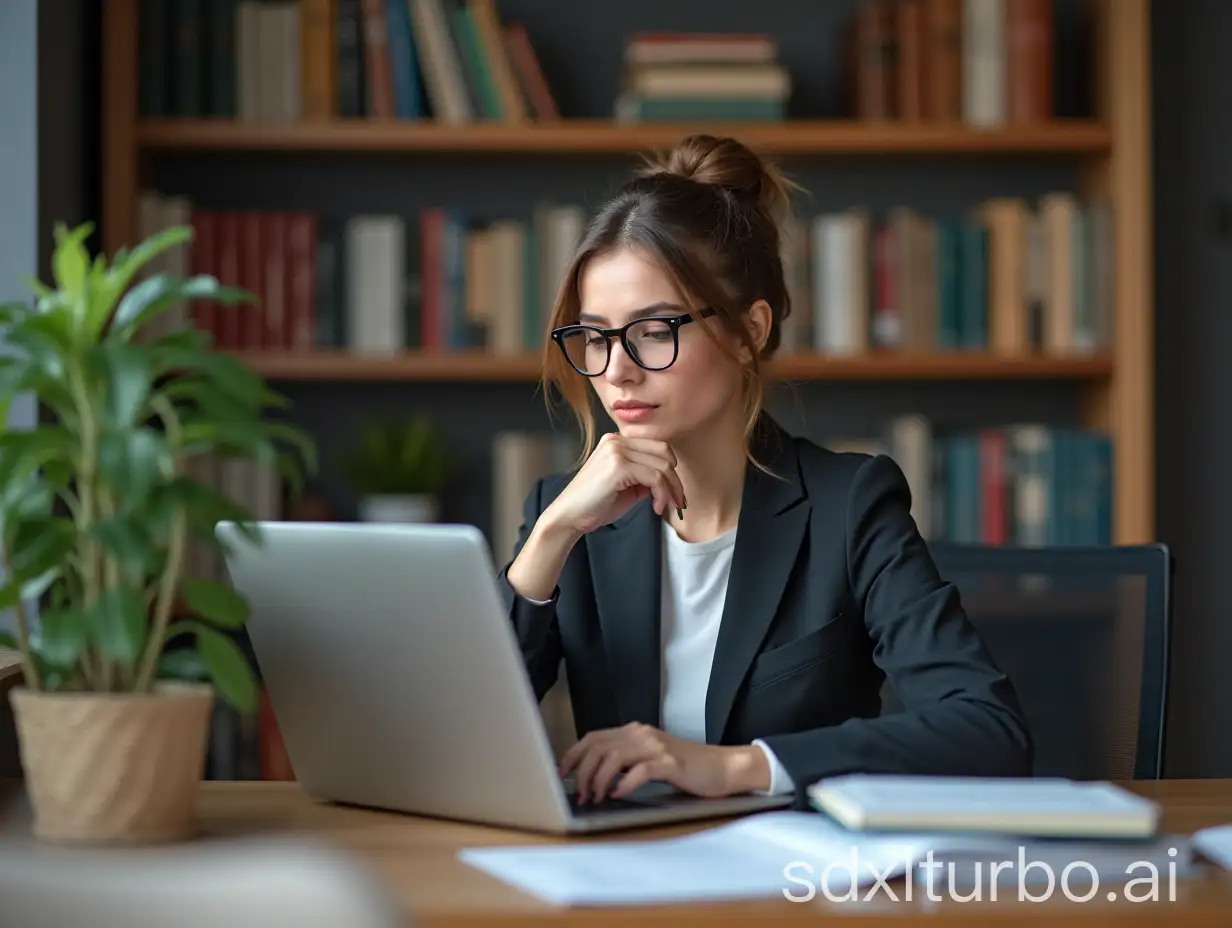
<point x="608" y="804"/>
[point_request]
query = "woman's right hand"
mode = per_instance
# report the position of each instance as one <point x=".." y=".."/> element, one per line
<point x="619" y="472"/>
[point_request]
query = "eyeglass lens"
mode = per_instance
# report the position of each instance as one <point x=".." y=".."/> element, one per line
<point x="650" y="342"/>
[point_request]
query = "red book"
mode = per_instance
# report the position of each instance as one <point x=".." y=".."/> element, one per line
<point x="433" y="283"/>
<point x="376" y="59"/>
<point x="994" y="508"/>
<point x="301" y="321"/>
<point x="1028" y="39"/>
<point x="274" y="260"/>
<point x="252" y="278"/>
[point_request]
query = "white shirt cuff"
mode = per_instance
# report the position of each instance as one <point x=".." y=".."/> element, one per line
<point x="541" y="602"/>
<point x="780" y="780"/>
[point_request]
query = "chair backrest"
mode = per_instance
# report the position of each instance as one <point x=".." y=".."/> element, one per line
<point x="1084" y="633"/>
<point x="260" y="882"/>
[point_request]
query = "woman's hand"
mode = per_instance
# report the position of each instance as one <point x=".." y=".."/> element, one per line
<point x="643" y="753"/>
<point x="618" y="473"/>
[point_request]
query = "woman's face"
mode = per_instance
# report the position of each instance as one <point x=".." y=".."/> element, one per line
<point x="701" y="387"/>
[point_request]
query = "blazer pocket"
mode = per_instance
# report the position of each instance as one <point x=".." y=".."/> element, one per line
<point x="786" y="659"/>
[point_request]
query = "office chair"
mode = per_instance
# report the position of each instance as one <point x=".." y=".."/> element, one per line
<point x="259" y="882"/>
<point x="1084" y="634"/>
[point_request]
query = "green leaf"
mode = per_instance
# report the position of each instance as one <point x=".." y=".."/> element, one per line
<point x="44" y="340"/>
<point x="70" y="262"/>
<point x="124" y="269"/>
<point x="228" y="436"/>
<point x="40" y="545"/>
<point x="127" y="539"/>
<point x="129" y="374"/>
<point x="30" y="502"/>
<point x="39" y="289"/>
<point x="203" y="507"/>
<point x="133" y="461"/>
<point x="215" y="602"/>
<point x="24" y="451"/>
<point x="152" y="247"/>
<point x="61" y="637"/>
<point x="14" y="376"/>
<point x="156" y="294"/>
<point x="299" y="440"/>
<point x="201" y="399"/>
<point x="182" y="664"/>
<point x="51" y="393"/>
<point x="228" y="668"/>
<point x="188" y="338"/>
<point x="9" y="641"/>
<point x="25" y="493"/>
<point x="119" y="622"/>
<point x="228" y="374"/>
<point x="27" y="590"/>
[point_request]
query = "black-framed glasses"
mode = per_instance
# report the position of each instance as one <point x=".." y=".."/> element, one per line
<point x="652" y="342"/>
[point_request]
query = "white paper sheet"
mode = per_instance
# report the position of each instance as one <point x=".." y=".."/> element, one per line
<point x="799" y="855"/>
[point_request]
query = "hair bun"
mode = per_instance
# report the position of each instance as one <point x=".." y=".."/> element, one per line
<point x="730" y="164"/>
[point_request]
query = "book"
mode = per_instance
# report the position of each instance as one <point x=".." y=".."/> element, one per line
<point x="1041" y="807"/>
<point x="799" y="855"/>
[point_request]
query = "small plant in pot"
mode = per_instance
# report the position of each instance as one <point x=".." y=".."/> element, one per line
<point x="125" y="653"/>
<point x="399" y="469"/>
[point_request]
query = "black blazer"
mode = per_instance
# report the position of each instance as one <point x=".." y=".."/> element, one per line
<point x="832" y="589"/>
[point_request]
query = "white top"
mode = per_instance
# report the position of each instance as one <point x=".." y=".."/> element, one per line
<point x="695" y="575"/>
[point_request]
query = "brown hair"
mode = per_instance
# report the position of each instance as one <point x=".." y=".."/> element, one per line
<point x="709" y="212"/>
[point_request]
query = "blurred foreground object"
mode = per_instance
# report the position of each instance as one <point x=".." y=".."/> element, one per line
<point x="241" y="883"/>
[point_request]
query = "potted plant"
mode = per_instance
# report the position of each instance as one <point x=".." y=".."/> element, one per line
<point x="126" y="654"/>
<point x="399" y="469"/>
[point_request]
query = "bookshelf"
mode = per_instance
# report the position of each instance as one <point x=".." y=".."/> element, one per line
<point x="578" y="136"/>
<point x="1111" y="147"/>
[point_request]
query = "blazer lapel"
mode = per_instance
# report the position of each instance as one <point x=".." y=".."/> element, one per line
<point x="626" y="565"/>
<point x="773" y="516"/>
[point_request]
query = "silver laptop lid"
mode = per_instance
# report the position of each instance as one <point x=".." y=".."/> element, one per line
<point x="394" y="672"/>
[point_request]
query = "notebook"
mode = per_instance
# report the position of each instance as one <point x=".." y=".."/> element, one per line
<point x="1042" y="807"/>
<point x="800" y="856"/>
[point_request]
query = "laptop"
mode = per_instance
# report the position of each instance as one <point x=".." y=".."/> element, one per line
<point x="398" y="684"/>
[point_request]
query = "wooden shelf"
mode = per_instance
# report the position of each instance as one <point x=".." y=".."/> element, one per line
<point x="482" y="367"/>
<point x="605" y="137"/>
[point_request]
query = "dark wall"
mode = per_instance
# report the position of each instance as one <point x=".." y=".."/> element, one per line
<point x="1193" y="182"/>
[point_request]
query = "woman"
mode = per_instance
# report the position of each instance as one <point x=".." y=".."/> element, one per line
<point x="727" y="599"/>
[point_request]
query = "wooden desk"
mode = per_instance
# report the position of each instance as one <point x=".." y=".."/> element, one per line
<point x="417" y="859"/>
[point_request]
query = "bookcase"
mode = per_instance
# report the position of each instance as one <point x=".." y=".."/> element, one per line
<point x="837" y="130"/>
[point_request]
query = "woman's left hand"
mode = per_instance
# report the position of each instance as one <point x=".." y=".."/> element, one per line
<point x="643" y="753"/>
